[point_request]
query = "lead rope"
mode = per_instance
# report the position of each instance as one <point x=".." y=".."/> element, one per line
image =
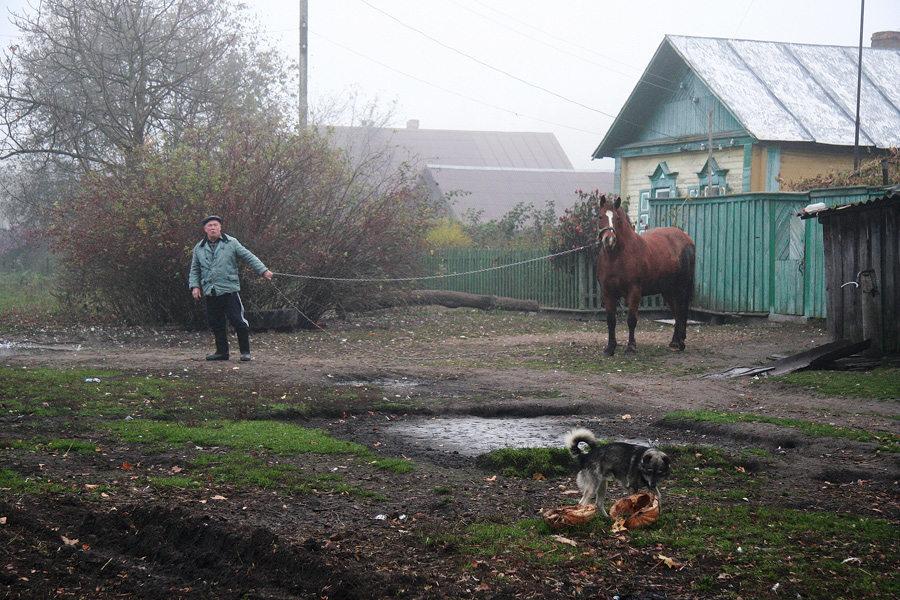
<point x="394" y="356"/>
<point x="408" y="279"/>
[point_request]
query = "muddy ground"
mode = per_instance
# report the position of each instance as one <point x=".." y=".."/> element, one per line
<point x="450" y="388"/>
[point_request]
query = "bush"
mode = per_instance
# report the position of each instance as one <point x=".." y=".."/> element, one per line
<point x="291" y="199"/>
<point x="870" y="173"/>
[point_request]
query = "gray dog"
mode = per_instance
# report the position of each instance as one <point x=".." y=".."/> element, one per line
<point x="633" y="466"/>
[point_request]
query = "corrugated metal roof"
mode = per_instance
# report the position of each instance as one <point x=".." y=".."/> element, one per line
<point x="812" y="211"/>
<point x="781" y="91"/>
<point x="497" y="191"/>
<point x="522" y="150"/>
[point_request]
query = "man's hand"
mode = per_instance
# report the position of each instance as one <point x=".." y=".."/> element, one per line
<point x="196" y="293"/>
<point x="267" y="275"/>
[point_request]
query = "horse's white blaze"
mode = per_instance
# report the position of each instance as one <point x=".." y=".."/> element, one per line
<point x="609" y="216"/>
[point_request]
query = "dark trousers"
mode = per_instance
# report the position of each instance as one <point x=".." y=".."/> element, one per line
<point x="229" y="306"/>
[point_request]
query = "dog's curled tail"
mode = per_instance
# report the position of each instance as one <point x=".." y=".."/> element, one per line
<point x="579" y="436"/>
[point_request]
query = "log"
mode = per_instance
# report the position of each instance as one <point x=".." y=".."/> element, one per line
<point x="439" y="297"/>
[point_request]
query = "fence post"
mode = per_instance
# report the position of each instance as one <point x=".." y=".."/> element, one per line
<point x="582" y="283"/>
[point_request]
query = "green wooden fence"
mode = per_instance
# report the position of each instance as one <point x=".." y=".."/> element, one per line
<point x="754" y="256"/>
<point x="522" y="274"/>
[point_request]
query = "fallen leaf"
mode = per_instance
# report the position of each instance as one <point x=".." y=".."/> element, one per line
<point x="669" y="562"/>
<point x="2" y="520"/>
<point x="494" y="478"/>
<point x="619" y="526"/>
<point x="217" y="497"/>
<point x="563" y="540"/>
<point x="127" y="467"/>
<point x="67" y="541"/>
<point x="538" y="477"/>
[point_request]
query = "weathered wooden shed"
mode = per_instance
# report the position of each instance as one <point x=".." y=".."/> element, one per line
<point x="860" y="237"/>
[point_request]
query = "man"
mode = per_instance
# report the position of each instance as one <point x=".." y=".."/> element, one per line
<point x="214" y="274"/>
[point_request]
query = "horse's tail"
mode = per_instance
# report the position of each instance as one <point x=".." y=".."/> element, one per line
<point x="686" y="267"/>
<point x="579" y="436"/>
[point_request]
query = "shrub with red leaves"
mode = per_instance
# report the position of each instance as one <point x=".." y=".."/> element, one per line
<point x="292" y="200"/>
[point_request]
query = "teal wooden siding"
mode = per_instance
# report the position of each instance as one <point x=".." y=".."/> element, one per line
<point x="686" y="113"/>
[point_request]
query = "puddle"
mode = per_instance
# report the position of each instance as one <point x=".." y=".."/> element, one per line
<point x="472" y="436"/>
<point x="17" y="349"/>
<point x="386" y="384"/>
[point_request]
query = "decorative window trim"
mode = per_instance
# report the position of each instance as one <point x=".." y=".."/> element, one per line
<point x="719" y="183"/>
<point x="662" y="182"/>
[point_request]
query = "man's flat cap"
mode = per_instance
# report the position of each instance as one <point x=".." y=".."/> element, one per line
<point x="212" y="218"/>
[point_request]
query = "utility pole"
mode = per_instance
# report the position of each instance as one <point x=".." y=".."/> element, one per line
<point x="862" y="18"/>
<point x="304" y="62"/>
<point x="709" y="163"/>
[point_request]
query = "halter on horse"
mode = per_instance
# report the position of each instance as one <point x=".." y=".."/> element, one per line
<point x="630" y="266"/>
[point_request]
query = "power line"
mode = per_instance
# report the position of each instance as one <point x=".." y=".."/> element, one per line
<point x="486" y="65"/>
<point x="550" y="35"/>
<point x="501" y="71"/>
<point x="449" y="91"/>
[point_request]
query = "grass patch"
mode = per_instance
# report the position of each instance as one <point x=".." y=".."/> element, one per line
<point x="550" y="463"/>
<point x="879" y="383"/>
<point x="51" y="445"/>
<point x="26" y="291"/>
<point x="249" y="436"/>
<point x="885" y="442"/>
<point x="243" y="470"/>
<point x="45" y="393"/>
<point x="12" y="482"/>
<point x="804" y="552"/>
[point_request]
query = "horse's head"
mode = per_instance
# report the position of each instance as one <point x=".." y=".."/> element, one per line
<point x="609" y="220"/>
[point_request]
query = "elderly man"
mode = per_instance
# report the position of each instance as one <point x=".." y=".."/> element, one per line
<point x="214" y="274"/>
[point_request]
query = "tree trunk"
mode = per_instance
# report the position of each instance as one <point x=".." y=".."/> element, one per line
<point x="439" y="297"/>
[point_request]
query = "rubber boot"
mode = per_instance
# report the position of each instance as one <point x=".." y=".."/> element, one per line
<point x="221" y="346"/>
<point x="243" y="336"/>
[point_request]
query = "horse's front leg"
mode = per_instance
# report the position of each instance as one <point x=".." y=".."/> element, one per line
<point x="634" y="302"/>
<point x="610" y="303"/>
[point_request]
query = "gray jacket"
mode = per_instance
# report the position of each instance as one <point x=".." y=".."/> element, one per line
<point x="215" y="266"/>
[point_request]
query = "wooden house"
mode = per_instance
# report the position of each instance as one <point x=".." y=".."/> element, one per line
<point x="720" y="116"/>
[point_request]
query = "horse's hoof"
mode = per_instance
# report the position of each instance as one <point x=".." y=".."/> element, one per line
<point x="673" y="347"/>
<point x="609" y="351"/>
<point x="630" y="352"/>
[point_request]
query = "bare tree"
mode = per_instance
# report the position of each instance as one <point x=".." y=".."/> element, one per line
<point x="94" y="80"/>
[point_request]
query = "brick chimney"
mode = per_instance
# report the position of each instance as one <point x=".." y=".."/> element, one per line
<point x="412" y="124"/>
<point x="886" y="39"/>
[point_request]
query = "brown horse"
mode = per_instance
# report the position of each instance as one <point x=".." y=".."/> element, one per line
<point x="630" y="266"/>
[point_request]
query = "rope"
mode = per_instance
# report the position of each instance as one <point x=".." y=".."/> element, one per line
<point x="423" y="278"/>
<point x="427" y="277"/>
<point x="392" y="356"/>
